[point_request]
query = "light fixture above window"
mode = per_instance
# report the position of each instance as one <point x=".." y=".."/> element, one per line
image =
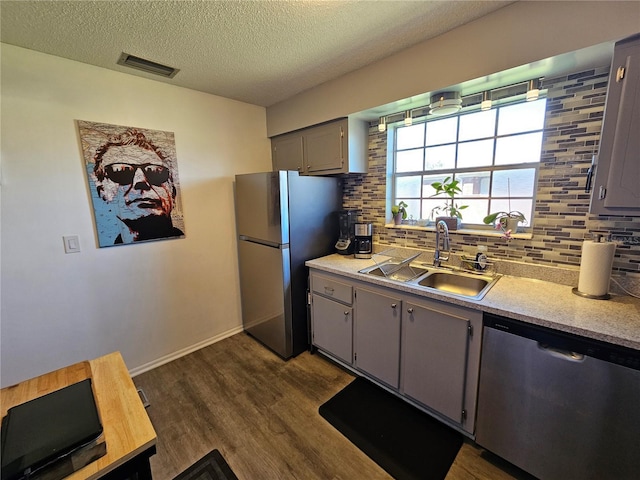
<point x="486" y="101"/>
<point x="532" y="90"/>
<point x="450" y="102"/>
<point x="382" y="124"/>
<point x="408" y="119"/>
<point x="445" y="103"/>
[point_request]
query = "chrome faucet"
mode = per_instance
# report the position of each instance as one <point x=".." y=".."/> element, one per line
<point x="441" y="227"/>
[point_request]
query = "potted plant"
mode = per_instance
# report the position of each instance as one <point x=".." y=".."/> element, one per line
<point x="399" y="212"/>
<point x="505" y="221"/>
<point x="450" y="209"/>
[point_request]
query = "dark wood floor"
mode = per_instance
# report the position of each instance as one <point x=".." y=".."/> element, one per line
<point x="262" y="414"/>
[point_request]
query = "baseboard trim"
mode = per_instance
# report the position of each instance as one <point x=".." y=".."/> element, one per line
<point x="184" y="351"/>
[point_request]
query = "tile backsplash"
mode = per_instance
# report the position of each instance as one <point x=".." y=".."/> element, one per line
<point x="575" y="107"/>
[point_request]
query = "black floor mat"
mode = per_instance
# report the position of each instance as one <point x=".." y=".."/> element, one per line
<point x="210" y="467"/>
<point x="407" y="443"/>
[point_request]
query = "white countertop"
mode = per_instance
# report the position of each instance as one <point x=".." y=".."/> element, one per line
<point x="538" y="302"/>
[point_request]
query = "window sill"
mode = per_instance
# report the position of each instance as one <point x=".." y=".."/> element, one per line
<point x="462" y="231"/>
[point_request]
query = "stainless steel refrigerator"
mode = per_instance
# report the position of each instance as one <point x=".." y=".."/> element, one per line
<point x="282" y="220"/>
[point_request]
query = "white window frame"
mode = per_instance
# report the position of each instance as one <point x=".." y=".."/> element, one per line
<point x="392" y="174"/>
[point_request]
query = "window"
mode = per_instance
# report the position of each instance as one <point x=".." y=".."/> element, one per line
<point x="494" y="154"/>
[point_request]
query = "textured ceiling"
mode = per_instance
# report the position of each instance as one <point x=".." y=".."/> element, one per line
<point x="260" y="52"/>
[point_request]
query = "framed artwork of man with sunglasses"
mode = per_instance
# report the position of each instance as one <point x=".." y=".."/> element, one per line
<point x="133" y="179"/>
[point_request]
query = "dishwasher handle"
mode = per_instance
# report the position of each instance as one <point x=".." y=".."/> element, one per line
<point x="561" y="353"/>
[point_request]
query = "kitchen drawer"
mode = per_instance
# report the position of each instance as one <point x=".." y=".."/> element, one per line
<point x="331" y="288"/>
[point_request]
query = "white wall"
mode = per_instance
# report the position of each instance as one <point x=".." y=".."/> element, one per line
<point x="150" y="301"/>
<point x="518" y="34"/>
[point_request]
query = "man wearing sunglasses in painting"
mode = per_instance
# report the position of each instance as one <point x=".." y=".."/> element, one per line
<point x="136" y="177"/>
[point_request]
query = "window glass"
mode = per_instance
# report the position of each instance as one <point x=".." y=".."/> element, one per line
<point x="517" y="183"/>
<point x="442" y="131"/>
<point x="476" y="210"/>
<point x="411" y="137"/>
<point x="522" y="117"/>
<point x="477" y="125"/>
<point x="427" y="180"/>
<point x="409" y="160"/>
<point x="429" y="206"/>
<point x="439" y="158"/>
<point x="475" y="154"/>
<point x="519" y="149"/>
<point x="413" y="208"/>
<point x="474" y="184"/>
<point x="408" y="186"/>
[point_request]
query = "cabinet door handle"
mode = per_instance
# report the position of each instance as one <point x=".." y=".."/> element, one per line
<point x="409" y="310"/>
<point x="346" y="313"/>
<point x="590" y="172"/>
<point x="587" y="187"/>
<point x="394" y="305"/>
<point x="619" y="74"/>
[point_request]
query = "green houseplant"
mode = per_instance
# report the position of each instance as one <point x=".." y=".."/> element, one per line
<point x="399" y="212"/>
<point x="450" y="210"/>
<point x="505" y="221"/>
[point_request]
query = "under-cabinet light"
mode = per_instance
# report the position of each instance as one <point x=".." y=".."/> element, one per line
<point x="486" y="101"/>
<point x="532" y="90"/>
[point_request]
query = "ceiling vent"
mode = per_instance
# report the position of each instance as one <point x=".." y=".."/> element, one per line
<point x="445" y="103"/>
<point x="147" y="65"/>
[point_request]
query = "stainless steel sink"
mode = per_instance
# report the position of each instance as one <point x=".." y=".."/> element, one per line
<point x="402" y="274"/>
<point x="468" y="285"/>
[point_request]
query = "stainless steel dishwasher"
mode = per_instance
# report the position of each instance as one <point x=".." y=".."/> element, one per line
<point x="559" y="406"/>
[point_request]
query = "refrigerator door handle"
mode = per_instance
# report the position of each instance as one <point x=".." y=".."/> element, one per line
<point x="266" y="243"/>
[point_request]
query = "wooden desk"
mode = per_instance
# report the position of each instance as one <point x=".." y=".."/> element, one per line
<point x="128" y="432"/>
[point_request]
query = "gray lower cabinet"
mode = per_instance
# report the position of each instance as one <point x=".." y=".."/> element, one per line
<point x="436" y="339"/>
<point x="427" y="351"/>
<point x="377" y="334"/>
<point x="332" y="317"/>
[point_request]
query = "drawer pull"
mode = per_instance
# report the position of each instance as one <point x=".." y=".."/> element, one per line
<point x="328" y="290"/>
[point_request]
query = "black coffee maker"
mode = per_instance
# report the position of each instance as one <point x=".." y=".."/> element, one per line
<point x="346" y="241"/>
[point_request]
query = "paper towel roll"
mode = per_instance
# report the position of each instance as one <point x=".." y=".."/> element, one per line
<point x="595" y="267"/>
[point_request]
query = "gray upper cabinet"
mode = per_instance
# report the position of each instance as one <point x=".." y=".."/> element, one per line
<point x="286" y="152"/>
<point x="616" y="186"/>
<point x="324" y="148"/>
<point x="332" y="148"/>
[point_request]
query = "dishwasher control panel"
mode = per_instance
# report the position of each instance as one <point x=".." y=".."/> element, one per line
<point x="545" y="336"/>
